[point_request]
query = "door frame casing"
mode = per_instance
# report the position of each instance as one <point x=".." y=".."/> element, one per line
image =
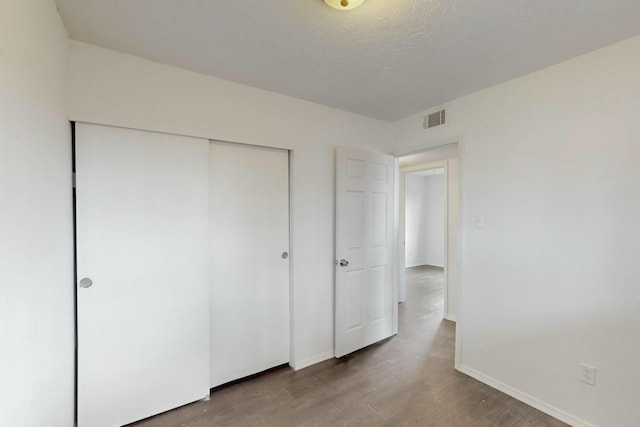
<point x="460" y="140"/>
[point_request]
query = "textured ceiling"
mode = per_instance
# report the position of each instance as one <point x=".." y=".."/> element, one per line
<point x="387" y="59"/>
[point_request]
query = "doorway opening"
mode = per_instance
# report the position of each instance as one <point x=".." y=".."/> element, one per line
<point x="424" y="232"/>
<point x="428" y="223"/>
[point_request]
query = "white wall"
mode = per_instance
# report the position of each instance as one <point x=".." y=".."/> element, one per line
<point x="424" y="220"/>
<point x="36" y="253"/>
<point x="550" y="161"/>
<point x="111" y="88"/>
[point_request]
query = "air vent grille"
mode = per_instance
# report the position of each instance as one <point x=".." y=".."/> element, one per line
<point x="434" y="119"/>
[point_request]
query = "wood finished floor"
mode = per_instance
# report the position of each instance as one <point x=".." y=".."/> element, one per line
<point x="408" y="380"/>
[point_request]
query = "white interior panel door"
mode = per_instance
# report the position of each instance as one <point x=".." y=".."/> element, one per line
<point x="249" y="240"/>
<point x="364" y="249"/>
<point x="143" y="299"/>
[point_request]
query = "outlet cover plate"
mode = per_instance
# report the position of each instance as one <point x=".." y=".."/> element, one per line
<point x="588" y="374"/>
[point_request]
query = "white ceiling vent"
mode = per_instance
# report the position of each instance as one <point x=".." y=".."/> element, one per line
<point x="437" y="118"/>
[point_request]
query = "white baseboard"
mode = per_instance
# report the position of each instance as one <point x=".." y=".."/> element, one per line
<point x="523" y="397"/>
<point x="311" y="360"/>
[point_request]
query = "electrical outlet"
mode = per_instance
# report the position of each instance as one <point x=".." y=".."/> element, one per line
<point x="587" y="374"/>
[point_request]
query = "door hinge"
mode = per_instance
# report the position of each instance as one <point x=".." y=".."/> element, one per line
<point x="73" y="180"/>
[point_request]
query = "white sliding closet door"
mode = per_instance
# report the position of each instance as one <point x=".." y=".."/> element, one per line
<point x="249" y="265"/>
<point x="143" y="323"/>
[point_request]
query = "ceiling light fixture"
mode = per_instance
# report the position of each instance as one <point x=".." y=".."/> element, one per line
<point x="344" y="4"/>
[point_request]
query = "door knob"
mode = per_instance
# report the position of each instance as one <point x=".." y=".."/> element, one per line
<point x="86" y="283"/>
<point x="344" y="263"/>
<point x="285" y="255"/>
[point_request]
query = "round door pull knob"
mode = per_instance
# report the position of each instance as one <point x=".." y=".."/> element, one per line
<point x="86" y="283"/>
<point x="344" y="263"/>
<point x="285" y="255"/>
